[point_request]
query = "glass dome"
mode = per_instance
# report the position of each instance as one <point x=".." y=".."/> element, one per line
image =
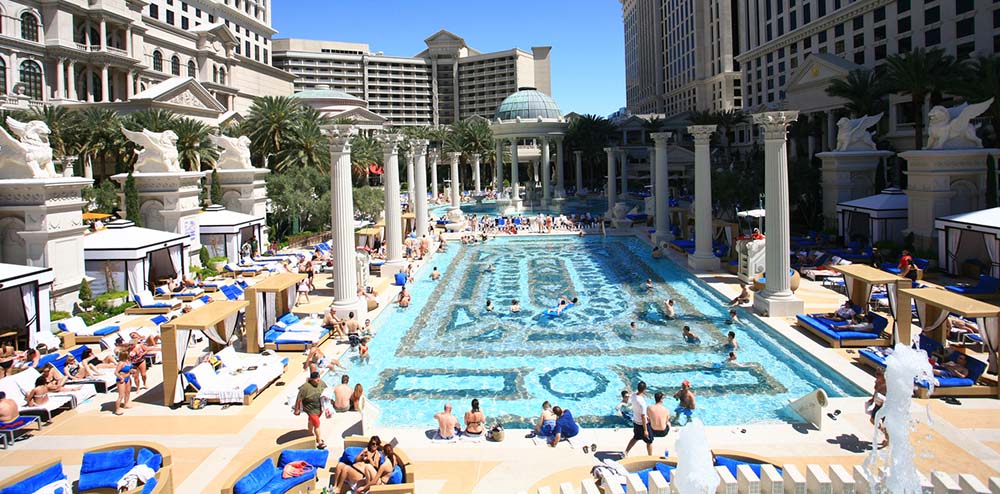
<point x="528" y="103"/>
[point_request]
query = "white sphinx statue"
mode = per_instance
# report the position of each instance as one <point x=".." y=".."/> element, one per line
<point x="952" y="128"/>
<point x="235" y="152"/>
<point x="28" y="156"/>
<point x="159" y="153"/>
<point x="853" y="135"/>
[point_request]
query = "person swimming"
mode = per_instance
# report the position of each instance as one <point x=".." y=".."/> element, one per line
<point x="489" y="306"/>
<point x="689" y="336"/>
<point x="515" y="306"/>
<point x="564" y="303"/>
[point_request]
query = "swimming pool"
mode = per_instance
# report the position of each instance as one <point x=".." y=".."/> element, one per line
<point x="595" y="206"/>
<point x="446" y="347"/>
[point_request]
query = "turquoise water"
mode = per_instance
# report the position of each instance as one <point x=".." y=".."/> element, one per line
<point x="446" y="347"/>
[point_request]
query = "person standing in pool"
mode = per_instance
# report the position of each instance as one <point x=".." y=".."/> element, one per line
<point x="623" y="409"/>
<point x="489" y="306"/>
<point x="435" y="274"/>
<point x="686" y="401"/>
<point x="649" y="284"/>
<point x="668" y="309"/>
<point x="515" y="307"/>
<point x="731" y="343"/>
<point x="689" y="337"/>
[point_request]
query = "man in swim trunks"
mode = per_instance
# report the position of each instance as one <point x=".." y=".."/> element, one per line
<point x="447" y="423"/>
<point x="640" y="420"/>
<point x="686" y="404"/>
<point x="342" y="394"/>
<point x="659" y="416"/>
<point x="310" y="400"/>
<point x="8" y="408"/>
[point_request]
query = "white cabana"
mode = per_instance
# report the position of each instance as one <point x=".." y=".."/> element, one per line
<point x="969" y="236"/>
<point x="126" y="257"/>
<point x="224" y="232"/>
<point x="269" y="300"/>
<point x="24" y="293"/>
<point x="874" y="218"/>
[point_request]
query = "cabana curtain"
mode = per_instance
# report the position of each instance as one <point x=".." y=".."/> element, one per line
<point x="30" y="312"/>
<point x="135" y="272"/>
<point x="954" y="239"/>
<point x="182" y="335"/>
<point x="930" y="316"/>
<point x="989" y="330"/>
<point x="176" y="260"/>
<point x="993" y="249"/>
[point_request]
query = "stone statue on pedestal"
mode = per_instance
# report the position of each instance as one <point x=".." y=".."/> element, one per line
<point x="235" y="152"/>
<point x="853" y="135"/>
<point x="29" y="156"/>
<point x="952" y="128"/>
<point x="159" y="153"/>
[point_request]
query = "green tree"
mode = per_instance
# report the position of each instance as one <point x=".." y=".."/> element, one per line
<point x="863" y="90"/>
<point x="203" y="256"/>
<point x="920" y="73"/>
<point x="300" y="200"/>
<point x="216" y="188"/>
<point x="63" y="127"/>
<point x="365" y="151"/>
<point x="369" y="201"/>
<point x="305" y="145"/>
<point x="103" y="198"/>
<point x="590" y="134"/>
<point x="99" y="140"/>
<point x="86" y="294"/>
<point x="132" y="201"/>
<point x="271" y="125"/>
<point x="194" y="148"/>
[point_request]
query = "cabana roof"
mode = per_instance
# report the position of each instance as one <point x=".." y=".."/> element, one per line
<point x="889" y="200"/>
<point x="207" y="316"/>
<point x="868" y="274"/>
<point x="953" y="302"/>
<point x="122" y="240"/>
<point x="14" y="274"/>
<point x="218" y="220"/>
<point x="988" y="218"/>
<point x="277" y="282"/>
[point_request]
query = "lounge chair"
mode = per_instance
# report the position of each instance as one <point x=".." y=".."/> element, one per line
<point x="232" y="385"/>
<point x="233" y="360"/>
<point x="267" y="476"/>
<point x="37" y="477"/>
<point x="101" y="382"/>
<point x="84" y="334"/>
<point x="959" y="386"/>
<point x="187" y="294"/>
<point x="292" y="334"/>
<point x="234" y="270"/>
<point x="146" y="304"/>
<point x="45" y="412"/>
<point x="874" y="357"/>
<point x="987" y="285"/>
<point x="102" y="469"/>
<point x="9" y="430"/>
<point x="25" y="381"/>
<point x="824" y="329"/>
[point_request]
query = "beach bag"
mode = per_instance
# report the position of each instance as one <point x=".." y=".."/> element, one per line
<point x="296" y="469"/>
<point x="496" y="434"/>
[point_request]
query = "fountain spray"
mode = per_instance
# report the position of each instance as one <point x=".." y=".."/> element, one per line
<point x="695" y="472"/>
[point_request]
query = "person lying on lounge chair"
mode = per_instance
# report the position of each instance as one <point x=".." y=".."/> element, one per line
<point x="960" y="326"/>
<point x="39" y="395"/>
<point x="843" y="313"/>
<point x="957" y="368"/>
<point x="8" y="408"/>
<point x="76" y="370"/>
<point x="866" y="325"/>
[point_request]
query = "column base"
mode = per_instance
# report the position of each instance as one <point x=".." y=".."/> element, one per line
<point x="390" y="268"/>
<point x="560" y="194"/>
<point x="703" y="263"/>
<point x="359" y="306"/>
<point x="778" y="305"/>
<point x="659" y="238"/>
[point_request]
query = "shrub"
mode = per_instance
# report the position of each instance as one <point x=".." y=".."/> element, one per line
<point x="85" y="293"/>
<point x="203" y="256"/>
<point x="57" y="315"/>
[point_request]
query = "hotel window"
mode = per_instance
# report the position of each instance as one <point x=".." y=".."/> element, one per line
<point x="184" y="7"/>
<point x="838" y="47"/>
<point x="902" y="6"/>
<point x="858" y="23"/>
<point x="3" y="75"/>
<point x="154" y="11"/>
<point x="246" y="51"/>
<point x="806" y="13"/>
<point x="963" y="6"/>
<point x="29" y="27"/>
<point x="157" y="61"/>
<point x="996" y="18"/>
<point x="880" y="52"/>
<point x="859" y="57"/>
<point x="31" y="77"/>
<point x="192" y="69"/>
<point x="965" y="50"/>
<point x="932" y="37"/>
<point x="965" y="27"/>
<point x="932" y="15"/>
<point x="859" y="40"/>
<point x="175" y="65"/>
<point x="184" y="23"/>
<point x="879" y="14"/>
<point x="170" y="17"/>
<point x="838" y="30"/>
<point x="904" y="45"/>
<point x="903" y="24"/>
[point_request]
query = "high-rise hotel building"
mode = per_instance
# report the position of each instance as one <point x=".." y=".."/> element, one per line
<point x="447" y="82"/>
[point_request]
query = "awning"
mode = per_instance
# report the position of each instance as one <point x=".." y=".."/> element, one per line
<point x="123" y="240"/>
<point x="860" y="279"/>
<point x="933" y="307"/>
<point x="95" y="216"/>
<point x="374" y="169"/>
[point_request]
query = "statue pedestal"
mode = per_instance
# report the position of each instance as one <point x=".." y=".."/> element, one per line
<point x="778" y="305"/>
<point x="42" y="226"/>
<point x="245" y="191"/>
<point x="941" y="182"/>
<point x="847" y="175"/>
<point x="168" y="202"/>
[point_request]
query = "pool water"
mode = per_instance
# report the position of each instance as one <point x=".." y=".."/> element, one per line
<point x="446" y="348"/>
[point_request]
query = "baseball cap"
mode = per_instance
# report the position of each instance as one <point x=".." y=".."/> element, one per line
<point x="314" y="375"/>
<point x="685" y="383"/>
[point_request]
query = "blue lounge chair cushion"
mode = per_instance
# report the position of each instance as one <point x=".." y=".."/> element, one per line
<point x="314" y="457"/>
<point x="192" y="380"/>
<point x="149" y="458"/>
<point x="683" y="244"/>
<point x="150" y="486"/>
<point x="278" y="484"/>
<point x="47" y="359"/>
<point x="106" y="330"/>
<point x="108" y="460"/>
<point x="254" y="482"/>
<point x="987" y="284"/>
<point x="161" y="319"/>
<point x="350" y="454"/>
<point x="822" y="326"/>
<point x="78" y="352"/>
<point x="976" y="368"/>
<point x="37" y="481"/>
<point x="104" y="479"/>
<point x="284" y="362"/>
<point x="289" y="319"/>
<point x="665" y="470"/>
<point x="874" y="357"/>
<point x="249" y="390"/>
<point x="396" y="477"/>
<point x="271" y="336"/>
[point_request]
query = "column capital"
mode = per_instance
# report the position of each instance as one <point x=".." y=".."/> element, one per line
<point x="775" y="123"/>
<point x="578" y="153"/>
<point x="660" y="136"/>
<point x="610" y="150"/>
<point x="433" y="154"/>
<point x="512" y="140"/>
<point x="419" y="146"/>
<point x="454" y="157"/>
<point x="340" y="137"/>
<point x="390" y="143"/>
<point x="702" y="133"/>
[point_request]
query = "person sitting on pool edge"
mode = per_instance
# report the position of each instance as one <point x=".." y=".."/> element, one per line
<point x="565" y="427"/>
<point x="564" y="303"/>
<point x="447" y="423"/>
<point x="689" y="337"/>
<point x="686" y="400"/>
<point x="656" y="252"/>
<point x="546" y="422"/>
<point x="474" y="420"/>
<point x="743" y="297"/>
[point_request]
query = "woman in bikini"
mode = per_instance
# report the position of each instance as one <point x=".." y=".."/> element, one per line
<point x="7" y="357"/>
<point x="39" y="395"/>
<point x="76" y="370"/>
<point x="137" y="357"/>
<point x="380" y="475"/>
<point x="474" y="420"/>
<point x="355" y="473"/>
<point x="123" y="380"/>
<point x="356" y="397"/>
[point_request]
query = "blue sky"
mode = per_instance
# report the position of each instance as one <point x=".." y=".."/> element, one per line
<point x="588" y="67"/>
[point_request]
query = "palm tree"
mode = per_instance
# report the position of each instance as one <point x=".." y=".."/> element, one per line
<point x="63" y="129"/>
<point x="365" y="150"/>
<point x="154" y="119"/>
<point x="920" y="73"/>
<point x="652" y="126"/>
<point x="591" y="134"/>
<point x="99" y="138"/>
<point x="304" y="146"/>
<point x="270" y="125"/>
<point x="980" y="82"/>
<point x="195" y="150"/>
<point x="863" y="89"/>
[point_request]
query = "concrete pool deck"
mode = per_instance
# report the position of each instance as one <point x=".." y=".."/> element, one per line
<point x="211" y="445"/>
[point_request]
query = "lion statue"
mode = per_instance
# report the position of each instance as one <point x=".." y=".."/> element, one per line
<point x="235" y="152"/>
<point x="952" y="128"/>
<point x="853" y="135"/>
<point x="28" y="156"/>
<point x="159" y="153"/>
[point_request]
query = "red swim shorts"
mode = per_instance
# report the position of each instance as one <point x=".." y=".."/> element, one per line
<point x="314" y="419"/>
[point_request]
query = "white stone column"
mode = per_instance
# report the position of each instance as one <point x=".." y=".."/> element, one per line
<point x="60" y="78"/>
<point x="105" y="98"/>
<point x="476" y="159"/>
<point x="104" y="35"/>
<point x="410" y="189"/>
<point x="611" y="179"/>
<point x="515" y="188"/>
<point x="345" y="274"/>
<point x="419" y="149"/>
<point x="661" y="199"/>
<point x="434" y="173"/>
<point x="393" y="209"/>
<point x="623" y="156"/>
<point x="498" y="169"/>
<point x="545" y="169"/>
<point x="560" y="192"/>
<point x="703" y="258"/>
<point x="130" y="86"/>
<point x="652" y="168"/>
<point x="455" y="211"/>
<point x="72" y="81"/>
<point x="579" y="172"/>
<point x="777" y="299"/>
